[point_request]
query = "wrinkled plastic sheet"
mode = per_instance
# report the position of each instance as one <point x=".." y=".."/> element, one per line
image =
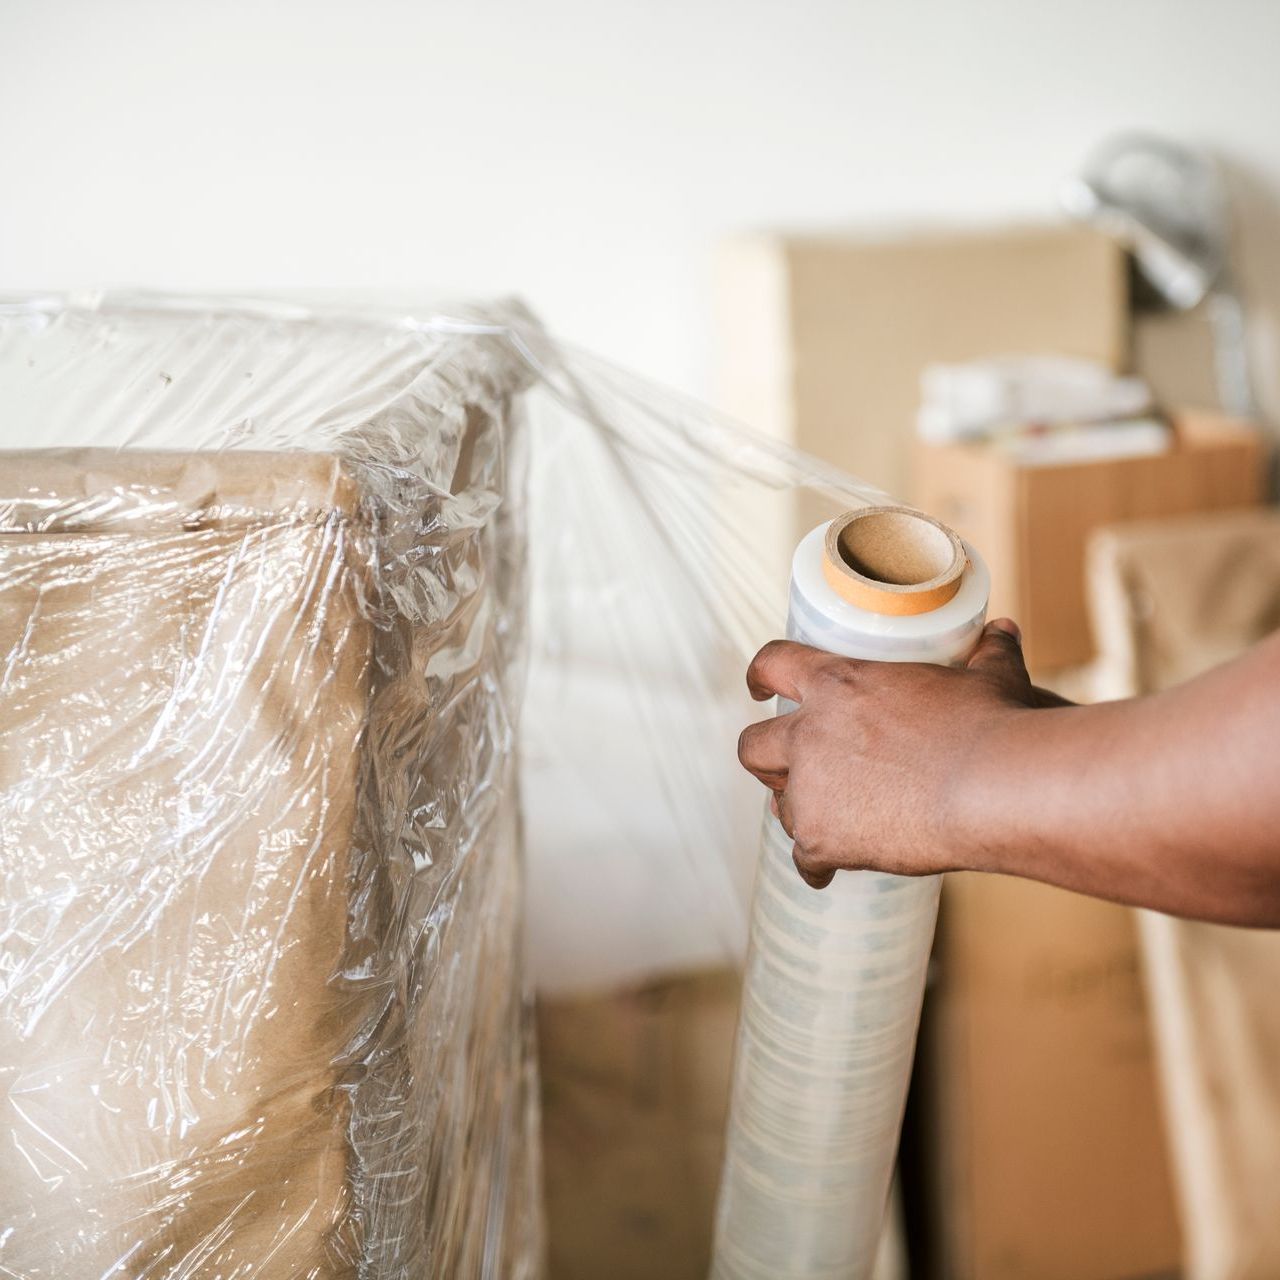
<point x="327" y="632"/>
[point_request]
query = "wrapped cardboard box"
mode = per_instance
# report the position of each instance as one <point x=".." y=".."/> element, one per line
<point x="265" y="684"/>
<point x="261" y="1010"/>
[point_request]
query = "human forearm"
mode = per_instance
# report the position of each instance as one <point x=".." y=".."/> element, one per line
<point x="1171" y="802"/>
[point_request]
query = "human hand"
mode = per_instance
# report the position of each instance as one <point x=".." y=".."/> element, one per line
<point x="871" y="769"/>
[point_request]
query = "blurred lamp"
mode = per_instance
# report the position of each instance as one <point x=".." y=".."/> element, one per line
<point x="1167" y="203"/>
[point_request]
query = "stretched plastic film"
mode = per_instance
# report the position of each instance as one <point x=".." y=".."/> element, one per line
<point x="835" y="977"/>
<point x="261" y="1007"/>
<point x="318" y="624"/>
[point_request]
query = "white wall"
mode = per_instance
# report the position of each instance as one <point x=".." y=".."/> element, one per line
<point x="587" y="154"/>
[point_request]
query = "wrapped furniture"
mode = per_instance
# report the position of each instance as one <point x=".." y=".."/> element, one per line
<point x="316" y="623"/>
<point x="261" y="1011"/>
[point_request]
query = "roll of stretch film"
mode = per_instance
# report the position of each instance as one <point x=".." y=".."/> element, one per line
<point x="835" y="977"/>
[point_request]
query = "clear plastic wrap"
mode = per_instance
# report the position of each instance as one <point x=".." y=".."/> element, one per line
<point x="261" y="1009"/>
<point x="291" y="600"/>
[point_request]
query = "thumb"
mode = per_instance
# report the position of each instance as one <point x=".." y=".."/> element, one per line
<point x="999" y="653"/>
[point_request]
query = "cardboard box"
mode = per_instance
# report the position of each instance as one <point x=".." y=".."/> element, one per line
<point x="1038" y="1108"/>
<point x="1170" y="599"/>
<point x="1041" y="1115"/>
<point x="1031" y="522"/>
<point x="635" y="1095"/>
<point x="635" y="1090"/>
<point x="822" y="339"/>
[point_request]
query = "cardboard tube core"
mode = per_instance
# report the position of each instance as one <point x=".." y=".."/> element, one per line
<point x="893" y="560"/>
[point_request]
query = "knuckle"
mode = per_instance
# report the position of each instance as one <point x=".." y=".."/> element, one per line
<point x="840" y="674"/>
<point x="1002" y="643"/>
<point x="798" y="727"/>
<point x="769" y="652"/>
<point x="768" y="667"/>
<point x="836" y="670"/>
<point x="816" y="875"/>
<point x="810" y="841"/>
<point x="1006" y="644"/>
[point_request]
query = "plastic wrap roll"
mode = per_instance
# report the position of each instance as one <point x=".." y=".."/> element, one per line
<point x="835" y="977"/>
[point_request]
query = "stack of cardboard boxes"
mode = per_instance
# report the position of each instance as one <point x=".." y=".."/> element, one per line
<point x="1044" y="1155"/>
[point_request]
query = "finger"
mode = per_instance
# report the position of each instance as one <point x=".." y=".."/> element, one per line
<point x="764" y="750"/>
<point x="784" y="668"/>
<point x="782" y="811"/>
<point x="814" y="879"/>
<point x="999" y="652"/>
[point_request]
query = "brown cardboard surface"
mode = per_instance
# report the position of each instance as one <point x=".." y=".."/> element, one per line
<point x="822" y="339"/>
<point x="1171" y="599"/>
<point x="105" y="616"/>
<point x="1174" y="352"/>
<point x="634" y="1100"/>
<point x="201" y="849"/>
<point x="1032" y="523"/>
<point x="1042" y="1118"/>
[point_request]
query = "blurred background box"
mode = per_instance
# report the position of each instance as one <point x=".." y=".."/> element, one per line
<point x="1044" y="1149"/>
<point x="1038" y="1150"/>
<point x="1040" y="1144"/>
<point x="1032" y="521"/>
<point x="1169" y="599"/>
<point x="823" y="339"/>
<point x="635" y="1094"/>
<point x="635" y="1089"/>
